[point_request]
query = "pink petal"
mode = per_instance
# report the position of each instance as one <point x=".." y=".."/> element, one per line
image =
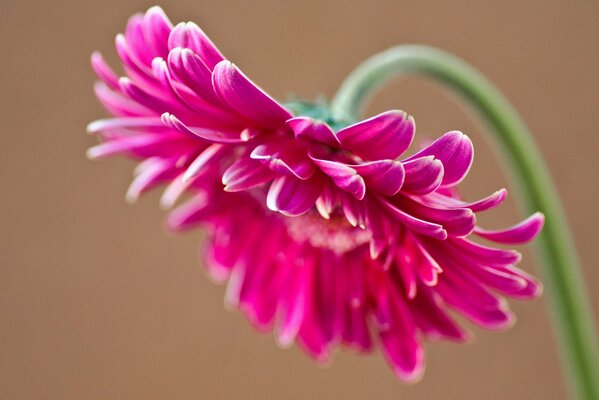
<point x="423" y="175"/>
<point x="309" y="128"/>
<point x="292" y="196"/>
<point x="211" y="135"/>
<point x="190" y="36"/>
<point x="386" y="135"/>
<point x="142" y="123"/>
<point x="469" y="305"/>
<point x="156" y="29"/>
<point x="487" y="203"/>
<point x="246" y="173"/>
<point x="454" y="150"/>
<point x="327" y="201"/>
<point x="209" y="155"/>
<point x="104" y="72"/>
<point x="285" y="157"/>
<point x="523" y="232"/>
<point x="192" y="71"/>
<point x="117" y="104"/>
<point x="485" y="255"/>
<point x="401" y="346"/>
<point x="343" y="176"/>
<point x="433" y="319"/>
<point x="189" y="214"/>
<point x="456" y="221"/>
<point x="153" y="171"/>
<point x="247" y="99"/>
<point x="415" y="224"/>
<point x="384" y="176"/>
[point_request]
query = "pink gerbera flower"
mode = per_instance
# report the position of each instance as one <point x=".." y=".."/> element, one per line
<point x="322" y="230"/>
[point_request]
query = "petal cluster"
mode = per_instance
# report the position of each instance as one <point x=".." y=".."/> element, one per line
<point x="328" y="236"/>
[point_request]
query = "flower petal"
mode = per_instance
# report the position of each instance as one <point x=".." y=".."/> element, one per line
<point x="246" y="173"/>
<point x="384" y="176"/>
<point x="247" y="99"/>
<point x="456" y="221"/>
<point x="211" y="135"/>
<point x="192" y="71"/>
<point x="190" y="36"/>
<point x="344" y="176"/>
<point x="104" y="72"/>
<point x="423" y="175"/>
<point x="292" y="196"/>
<point x="156" y="29"/>
<point x="486" y="203"/>
<point x="209" y="155"/>
<point x="455" y="151"/>
<point x="386" y="135"/>
<point x="284" y="157"/>
<point x="523" y="232"/>
<point x="309" y="128"/>
<point x="415" y="224"/>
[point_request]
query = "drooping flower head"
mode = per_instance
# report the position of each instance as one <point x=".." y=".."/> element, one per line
<point x="322" y="230"/>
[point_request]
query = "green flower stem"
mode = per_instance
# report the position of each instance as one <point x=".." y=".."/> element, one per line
<point x="571" y="311"/>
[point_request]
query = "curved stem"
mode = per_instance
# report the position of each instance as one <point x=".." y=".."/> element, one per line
<point x="572" y="316"/>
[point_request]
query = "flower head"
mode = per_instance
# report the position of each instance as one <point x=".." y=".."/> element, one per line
<point x="323" y="230"/>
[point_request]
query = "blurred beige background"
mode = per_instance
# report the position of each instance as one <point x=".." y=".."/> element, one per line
<point x="98" y="302"/>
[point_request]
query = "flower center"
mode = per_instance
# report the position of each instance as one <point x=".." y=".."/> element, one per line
<point x="335" y="234"/>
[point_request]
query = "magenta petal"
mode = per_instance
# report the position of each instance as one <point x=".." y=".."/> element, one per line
<point x="246" y="173"/>
<point x="455" y="151"/>
<point x="344" y="176"/>
<point x="309" y="128"/>
<point x="433" y="319"/>
<point x="386" y="135"/>
<point x="292" y="196"/>
<point x="523" y="232"/>
<point x="211" y="135"/>
<point x="209" y="155"/>
<point x="285" y="158"/>
<point x="192" y="71"/>
<point x="484" y="254"/>
<point x="488" y="202"/>
<point x="190" y="36"/>
<point x="117" y="104"/>
<point x="474" y="302"/>
<point x="384" y="176"/>
<point x="531" y="290"/>
<point x="145" y="123"/>
<point x="189" y="214"/>
<point x="415" y="224"/>
<point x="327" y="201"/>
<point x="456" y="221"/>
<point x="401" y="345"/>
<point x="151" y="172"/>
<point x="247" y="99"/>
<point x="156" y="29"/>
<point x="423" y="175"/>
